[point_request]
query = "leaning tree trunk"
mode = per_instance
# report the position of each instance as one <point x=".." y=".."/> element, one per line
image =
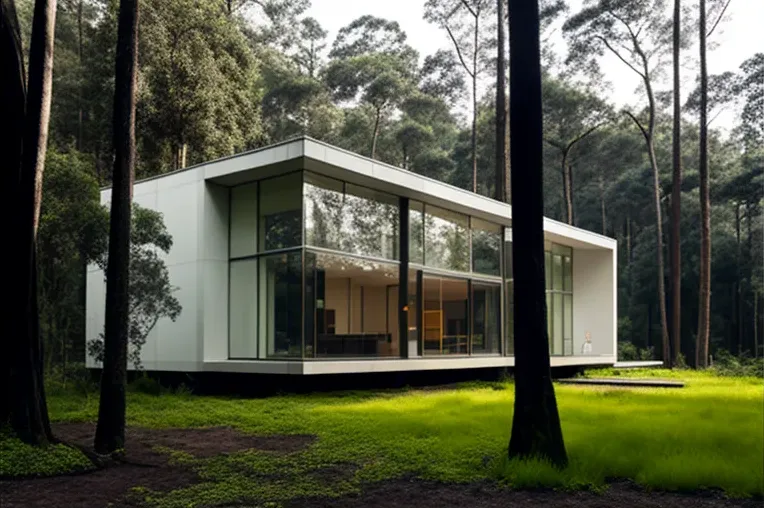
<point x="110" y="432"/>
<point x="536" y="430"/>
<point x="501" y="108"/>
<point x="24" y="150"/>
<point x="659" y="239"/>
<point x="676" y="200"/>
<point x="704" y="310"/>
<point x="375" y="134"/>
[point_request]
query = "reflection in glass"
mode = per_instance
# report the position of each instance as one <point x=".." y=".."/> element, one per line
<point x="280" y="298"/>
<point x="354" y="310"/>
<point x="445" y="328"/>
<point x="350" y="218"/>
<point x="486" y="247"/>
<point x="486" y="317"/>
<point x="281" y="212"/>
<point x="447" y="239"/>
<point x="243" y="220"/>
<point x="242" y="309"/>
<point x="416" y="232"/>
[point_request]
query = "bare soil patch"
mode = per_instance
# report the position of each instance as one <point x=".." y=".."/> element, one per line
<point x="143" y="465"/>
<point x="422" y="494"/>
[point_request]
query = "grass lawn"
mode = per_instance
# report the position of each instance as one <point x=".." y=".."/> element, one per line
<point x="707" y="435"/>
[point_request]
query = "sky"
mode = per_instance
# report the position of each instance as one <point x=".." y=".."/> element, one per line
<point x="738" y="37"/>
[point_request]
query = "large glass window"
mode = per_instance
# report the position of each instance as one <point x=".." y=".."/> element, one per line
<point x="416" y="232"/>
<point x="558" y="262"/>
<point x="446" y="239"/>
<point x="281" y="212"/>
<point x="445" y="316"/>
<point x="242" y="309"/>
<point x="486" y="318"/>
<point x="486" y="247"/>
<point x="509" y="299"/>
<point x="243" y="241"/>
<point x="350" y="218"/>
<point x="280" y="298"/>
<point x="354" y="309"/>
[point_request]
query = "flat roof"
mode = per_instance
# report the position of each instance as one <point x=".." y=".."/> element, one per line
<point x="331" y="161"/>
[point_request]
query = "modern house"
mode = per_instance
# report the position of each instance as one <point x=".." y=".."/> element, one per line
<point x="303" y="258"/>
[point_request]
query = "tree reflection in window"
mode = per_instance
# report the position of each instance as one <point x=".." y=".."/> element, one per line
<point x="446" y="239"/>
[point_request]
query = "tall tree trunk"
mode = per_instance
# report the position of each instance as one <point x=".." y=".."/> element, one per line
<point x="566" y="186"/>
<point x="23" y="152"/>
<point x="81" y="72"/>
<point x="474" y="102"/>
<point x="739" y="281"/>
<point x="704" y="307"/>
<point x="755" y="324"/>
<point x="659" y="248"/>
<point x="110" y="432"/>
<point x="375" y="134"/>
<point x="501" y="107"/>
<point x="602" y="204"/>
<point x="536" y="430"/>
<point x="676" y="198"/>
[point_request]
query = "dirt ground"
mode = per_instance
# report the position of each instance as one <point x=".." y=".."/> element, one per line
<point x="404" y="493"/>
<point x="148" y="468"/>
<point x="143" y="467"/>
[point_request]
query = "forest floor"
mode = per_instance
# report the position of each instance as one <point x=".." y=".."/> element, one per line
<point x="698" y="446"/>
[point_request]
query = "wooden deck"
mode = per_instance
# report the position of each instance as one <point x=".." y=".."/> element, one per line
<point x="627" y="382"/>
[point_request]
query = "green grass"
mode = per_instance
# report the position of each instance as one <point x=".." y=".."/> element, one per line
<point x="20" y="459"/>
<point x="707" y="435"/>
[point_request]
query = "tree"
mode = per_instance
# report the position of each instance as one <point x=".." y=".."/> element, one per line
<point x="570" y="116"/>
<point x="312" y="37"/>
<point x="200" y="99"/>
<point x="676" y="191"/>
<point x="26" y="106"/>
<point x="501" y="189"/>
<point x="462" y="21"/>
<point x="440" y="77"/>
<point x="536" y="430"/>
<point x="636" y="32"/>
<point x="701" y="345"/>
<point x="110" y="430"/>
<point x="150" y="292"/>
<point x="373" y="63"/>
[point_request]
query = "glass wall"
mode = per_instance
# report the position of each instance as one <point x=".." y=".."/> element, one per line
<point x="446" y="239"/>
<point x="558" y="260"/>
<point x="280" y="297"/>
<point x="265" y="289"/>
<point x="445" y="316"/>
<point x="509" y="299"/>
<point x="486" y="318"/>
<point x="349" y="218"/>
<point x="486" y="247"/>
<point x="354" y="308"/>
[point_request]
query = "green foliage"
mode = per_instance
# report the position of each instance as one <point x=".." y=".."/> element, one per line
<point x="146" y="385"/>
<point x="726" y="364"/>
<point x="18" y="459"/>
<point x="707" y="435"/>
<point x="628" y="352"/>
<point x="150" y="292"/>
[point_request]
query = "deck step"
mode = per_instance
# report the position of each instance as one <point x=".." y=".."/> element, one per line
<point x="653" y="383"/>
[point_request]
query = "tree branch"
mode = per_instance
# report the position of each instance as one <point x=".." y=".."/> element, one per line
<point x="616" y="53"/>
<point x="474" y="14"/>
<point x="586" y="133"/>
<point x="721" y="15"/>
<point x="555" y="144"/>
<point x="637" y="122"/>
<point x="458" y="51"/>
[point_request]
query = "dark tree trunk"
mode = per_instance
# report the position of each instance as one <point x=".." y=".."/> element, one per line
<point x="704" y="307"/>
<point x="23" y="150"/>
<point x="375" y="134"/>
<point x="536" y="430"/>
<point x="602" y="205"/>
<point x="738" y="282"/>
<point x="566" y="187"/>
<point x="80" y="99"/>
<point x="110" y="432"/>
<point x="474" y="106"/>
<point x="676" y="199"/>
<point x="501" y="108"/>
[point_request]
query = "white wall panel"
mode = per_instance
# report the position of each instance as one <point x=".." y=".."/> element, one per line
<point x="178" y="206"/>
<point x="594" y="300"/>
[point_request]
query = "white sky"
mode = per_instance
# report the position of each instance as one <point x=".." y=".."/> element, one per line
<point x="737" y="38"/>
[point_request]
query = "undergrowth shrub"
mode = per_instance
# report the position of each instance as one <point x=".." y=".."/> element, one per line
<point x="727" y="364"/>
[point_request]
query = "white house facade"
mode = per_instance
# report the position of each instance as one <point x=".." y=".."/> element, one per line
<point x="302" y="258"/>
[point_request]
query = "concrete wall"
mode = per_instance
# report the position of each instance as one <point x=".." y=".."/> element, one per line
<point x="181" y="199"/>
<point x="594" y="300"/>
